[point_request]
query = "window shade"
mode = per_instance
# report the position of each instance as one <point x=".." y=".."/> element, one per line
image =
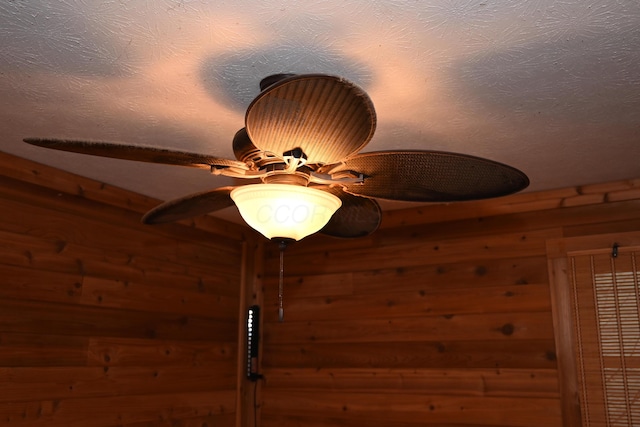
<point x="606" y="303"/>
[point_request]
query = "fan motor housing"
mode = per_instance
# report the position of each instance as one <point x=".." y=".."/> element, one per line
<point x="245" y="151"/>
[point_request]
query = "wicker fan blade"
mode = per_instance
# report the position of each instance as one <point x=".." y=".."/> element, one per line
<point x="430" y="176"/>
<point x="190" y="206"/>
<point x="357" y="217"/>
<point x="135" y="152"/>
<point x="326" y="116"/>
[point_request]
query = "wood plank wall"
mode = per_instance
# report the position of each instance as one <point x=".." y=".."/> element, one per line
<point x="105" y="321"/>
<point x="443" y="317"/>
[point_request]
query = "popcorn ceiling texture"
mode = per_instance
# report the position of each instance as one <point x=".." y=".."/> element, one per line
<point x="550" y="87"/>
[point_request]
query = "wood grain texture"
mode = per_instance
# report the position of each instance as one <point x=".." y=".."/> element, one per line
<point x="474" y="381"/>
<point x="535" y="354"/>
<point x="425" y="408"/>
<point x="564" y="335"/>
<point x="105" y="321"/>
<point x="116" y="410"/>
<point x="18" y="173"/>
<point x="442" y="317"/>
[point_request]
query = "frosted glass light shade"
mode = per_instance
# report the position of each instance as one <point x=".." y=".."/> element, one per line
<point x="284" y="210"/>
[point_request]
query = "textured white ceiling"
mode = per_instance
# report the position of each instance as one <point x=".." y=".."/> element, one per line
<point x="550" y="87"/>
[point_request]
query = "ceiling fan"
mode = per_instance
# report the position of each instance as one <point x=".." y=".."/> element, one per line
<point x="303" y="134"/>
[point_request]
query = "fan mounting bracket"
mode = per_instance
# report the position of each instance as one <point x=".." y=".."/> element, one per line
<point x="321" y="178"/>
<point x="237" y="172"/>
<point x="290" y="167"/>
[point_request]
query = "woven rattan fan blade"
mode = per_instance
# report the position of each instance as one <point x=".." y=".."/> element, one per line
<point x="327" y="117"/>
<point x="134" y="152"/>
<point x="357" y="217"/>
<point x="189" y="206"/>
<point x="429" y="176"/>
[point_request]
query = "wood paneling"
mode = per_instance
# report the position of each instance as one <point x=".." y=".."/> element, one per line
<point x="442" y="317"/>
<point x="108" y="322"/>
<point x="426" y="408"/>
<point x="117" y="410"/>
<point x="476" y="381"/>
<point x="417" y="355"/>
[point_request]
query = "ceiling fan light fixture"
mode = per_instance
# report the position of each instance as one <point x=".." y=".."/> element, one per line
<point x="285" y="211"/>
<point x="311" y="128"/>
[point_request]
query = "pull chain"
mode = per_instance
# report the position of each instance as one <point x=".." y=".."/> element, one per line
<point x="283" y="245"/>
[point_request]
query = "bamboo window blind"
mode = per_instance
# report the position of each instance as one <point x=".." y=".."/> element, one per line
<point x="606" y="307"/>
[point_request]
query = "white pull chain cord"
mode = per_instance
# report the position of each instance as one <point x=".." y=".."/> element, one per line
<point x="281" y="284"/>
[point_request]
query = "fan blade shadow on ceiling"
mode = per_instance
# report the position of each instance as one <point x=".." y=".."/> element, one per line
<point x="231" y="76"/>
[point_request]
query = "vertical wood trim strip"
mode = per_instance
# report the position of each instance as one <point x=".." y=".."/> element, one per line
<point x="242" y="346"/>
<point x="561" y="300"/>
<point x="247" y="397"/>
<point x="257" y="297"/>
